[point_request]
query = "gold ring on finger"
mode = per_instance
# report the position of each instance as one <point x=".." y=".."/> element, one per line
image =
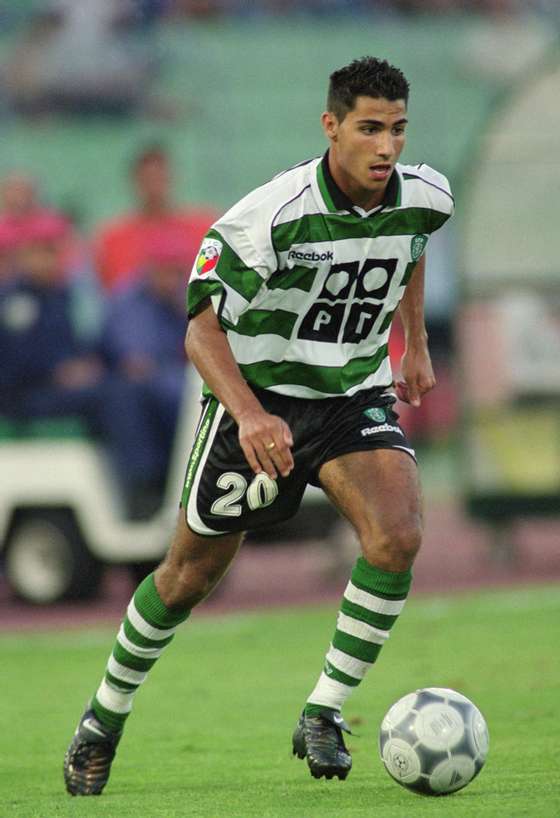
<point x="270" y="446"/>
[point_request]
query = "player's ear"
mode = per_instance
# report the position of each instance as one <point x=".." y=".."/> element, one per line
<point x="330" y="125"/>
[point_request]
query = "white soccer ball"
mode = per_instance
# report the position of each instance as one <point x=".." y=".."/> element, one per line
<point x="433" y="741"/>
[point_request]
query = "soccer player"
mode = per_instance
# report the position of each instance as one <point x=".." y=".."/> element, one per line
<point x="290" y="307"/>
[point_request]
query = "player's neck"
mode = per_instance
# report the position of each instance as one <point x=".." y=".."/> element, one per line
<point x="366" y="199"/>
<point x="358" y="195"/>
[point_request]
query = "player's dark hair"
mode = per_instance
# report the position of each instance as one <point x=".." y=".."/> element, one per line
<point x="154" y="152"/>
<point x="367" y="77"/>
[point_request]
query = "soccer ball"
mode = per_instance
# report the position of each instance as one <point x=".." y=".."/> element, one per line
<point x="433" y="741"/>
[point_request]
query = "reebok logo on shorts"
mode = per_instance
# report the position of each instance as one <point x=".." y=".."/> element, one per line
<point x="383" y="427"/>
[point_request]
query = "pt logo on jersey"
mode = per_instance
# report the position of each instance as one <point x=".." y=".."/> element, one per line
<point x="366" y="284"/>
<point x="417" y="246"/>
<point x="375" y="414"/>
<point x="208" y="257"/>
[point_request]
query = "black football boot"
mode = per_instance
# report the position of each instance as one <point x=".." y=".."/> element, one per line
<point x="87" y="762"/>
<point x="319" y="738"/>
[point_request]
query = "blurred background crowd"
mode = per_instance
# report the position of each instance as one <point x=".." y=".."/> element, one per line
<point x="92" y="325"/>
<point x="128" y="126"/>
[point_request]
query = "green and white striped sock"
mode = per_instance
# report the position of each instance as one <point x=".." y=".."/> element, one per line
<point x="144" y="633"/>
<point x="372" y="601"/>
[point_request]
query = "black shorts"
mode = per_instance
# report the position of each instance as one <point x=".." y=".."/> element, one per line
<point x="222" y="494"/>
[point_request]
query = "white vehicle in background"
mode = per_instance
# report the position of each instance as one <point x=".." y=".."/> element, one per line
<point x="62" y="517"/>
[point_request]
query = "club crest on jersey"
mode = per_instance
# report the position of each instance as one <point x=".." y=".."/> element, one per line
<point x="417" y="246"/>
<point x="375" y="414"/>
<point x="208" y="256"/>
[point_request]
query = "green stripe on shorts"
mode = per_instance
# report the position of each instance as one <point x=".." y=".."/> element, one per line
<point x="198" y="448"/>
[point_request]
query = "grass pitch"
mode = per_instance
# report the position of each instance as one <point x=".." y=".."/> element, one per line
<point x="210" y="734"/>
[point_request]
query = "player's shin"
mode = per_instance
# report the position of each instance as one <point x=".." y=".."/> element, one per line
<point x="148" y="627"/>
<point x="372" y="602"/>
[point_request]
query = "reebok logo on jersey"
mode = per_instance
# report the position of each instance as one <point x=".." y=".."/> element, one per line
<point x="384" y="427"/>
<point x="311" y="255"/>
<point x="208" y="256"/>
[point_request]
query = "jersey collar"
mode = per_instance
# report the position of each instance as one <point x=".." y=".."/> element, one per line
<point x="336" y="200"/>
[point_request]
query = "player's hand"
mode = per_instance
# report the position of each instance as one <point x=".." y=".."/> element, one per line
<point x="266" y="441"/>
<point x="417" y="376"/>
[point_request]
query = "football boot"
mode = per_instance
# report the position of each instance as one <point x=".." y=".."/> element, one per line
<point x="319" y="739"/>
<point x="87" y="762"/>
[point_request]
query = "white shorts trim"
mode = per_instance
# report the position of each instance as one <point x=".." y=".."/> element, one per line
<point x="193" y="518"/>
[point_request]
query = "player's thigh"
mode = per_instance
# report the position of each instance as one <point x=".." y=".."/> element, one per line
<point x="379" y="492"/>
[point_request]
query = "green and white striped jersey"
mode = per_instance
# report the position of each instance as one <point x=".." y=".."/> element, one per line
<point x="305" y="284"/>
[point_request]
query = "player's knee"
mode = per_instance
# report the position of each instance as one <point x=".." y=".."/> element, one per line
<point x="194" y="583"/>
<point x="406" y="539"/>
<point x="395" y="546"/>
<point x="183" y="583"/>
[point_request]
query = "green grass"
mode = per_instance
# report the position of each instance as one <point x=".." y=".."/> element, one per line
<point x="210" y="736"/>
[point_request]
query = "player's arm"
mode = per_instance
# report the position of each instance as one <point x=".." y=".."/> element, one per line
<point x="416" y="366"/>
<point x="208" y="349"/>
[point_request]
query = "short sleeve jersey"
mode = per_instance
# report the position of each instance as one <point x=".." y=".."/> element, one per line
<point x="306" y="284"/>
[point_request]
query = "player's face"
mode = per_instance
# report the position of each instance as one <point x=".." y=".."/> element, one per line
<point x="365" y="146"/>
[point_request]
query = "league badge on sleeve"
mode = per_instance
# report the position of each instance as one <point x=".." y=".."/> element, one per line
<point x="208" y="256"/>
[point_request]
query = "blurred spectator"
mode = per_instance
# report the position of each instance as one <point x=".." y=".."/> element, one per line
<point x="121" y="245"/>
<point x="77" y="58"/>
<point x="19" y="198"/>
<point x="45" y="368"/>
<point x="19" y="203"/>
<point x="22" y="211"/>
<point x="22" y="214"/>
<point x="8" y="243"/>
<point x="148" y="12"/>
<point x="143" y="343"/>
<point x="48" y="371"/>
<point x="203" y="9"/>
